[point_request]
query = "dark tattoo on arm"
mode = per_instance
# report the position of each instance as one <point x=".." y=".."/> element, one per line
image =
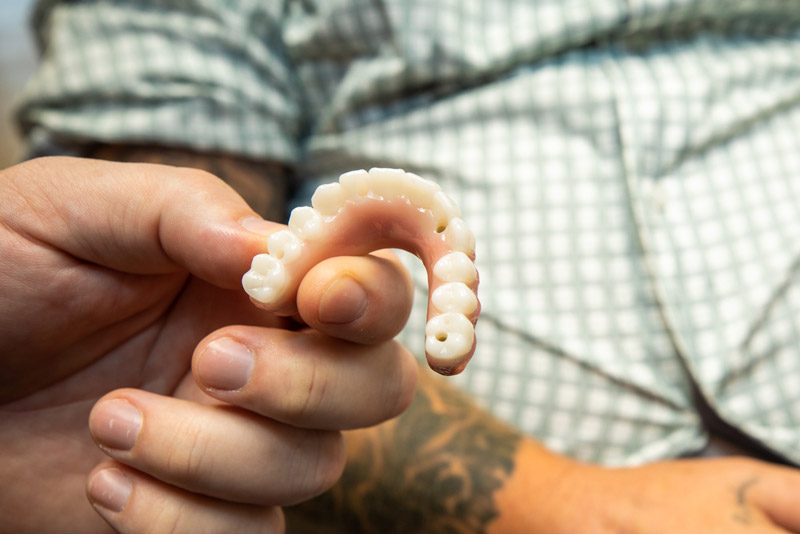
<point x="263" y="184"/>
<point x="742" y="515"/>
<point x="434" y="469"/>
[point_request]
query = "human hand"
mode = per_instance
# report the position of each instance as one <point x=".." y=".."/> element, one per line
<point x="707" y="495"/>
<point x="120" y="283"/>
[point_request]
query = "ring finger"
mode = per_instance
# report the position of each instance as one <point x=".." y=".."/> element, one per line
<point x="216" y="450"/>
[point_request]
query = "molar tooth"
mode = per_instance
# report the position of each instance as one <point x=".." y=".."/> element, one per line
<point x="455" y="267"/>
<point x="454" y="297"/>
<point x="306" y="222"/>
<point x="459" y="237"/>
<point x="419" y="191"/>
<point x="284" y="245"/>
<point x="328" y="199"/>
<point x="449" y="336"/>
<point x="266" y="279"/>
<point x="355" y="183"/>
<point x="443" y="209"/>
<point x="387" y="183"/>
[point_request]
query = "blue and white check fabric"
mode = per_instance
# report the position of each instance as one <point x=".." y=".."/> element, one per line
<point x="631" y="171"/>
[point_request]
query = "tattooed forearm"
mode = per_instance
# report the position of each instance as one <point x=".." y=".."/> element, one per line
<point x="434" y="469"/>
<point x="263" y="184"/>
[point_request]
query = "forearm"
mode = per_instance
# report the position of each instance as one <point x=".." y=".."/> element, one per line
<point x="262" y="183"/>
<point x="442" y="466"/>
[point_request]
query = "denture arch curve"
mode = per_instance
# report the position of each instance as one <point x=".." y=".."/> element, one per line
<point x="371" y="210"/>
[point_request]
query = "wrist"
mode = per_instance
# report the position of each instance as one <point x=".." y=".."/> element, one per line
<point x="546" y="493"/>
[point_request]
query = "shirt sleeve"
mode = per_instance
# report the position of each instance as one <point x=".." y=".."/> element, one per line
<point x="200" y="74"/>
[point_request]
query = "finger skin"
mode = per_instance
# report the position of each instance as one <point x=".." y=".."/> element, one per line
<point x="152" y="506"/>
<point x="389" y="297"/>
<point x="218" y="451"/>
<point x="311" y="380"/>
<point x="133" y="217"/>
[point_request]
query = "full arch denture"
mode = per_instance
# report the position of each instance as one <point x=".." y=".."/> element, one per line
<point x="367" y="211"/>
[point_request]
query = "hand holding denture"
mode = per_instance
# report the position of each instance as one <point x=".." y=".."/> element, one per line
<point x="366" y="211"/>
<point x="123" y="312"/>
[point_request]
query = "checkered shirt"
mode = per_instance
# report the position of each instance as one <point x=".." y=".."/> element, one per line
<point x="630" y="169"/>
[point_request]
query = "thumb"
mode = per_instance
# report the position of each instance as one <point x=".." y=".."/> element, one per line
<point x="135" y="218"/>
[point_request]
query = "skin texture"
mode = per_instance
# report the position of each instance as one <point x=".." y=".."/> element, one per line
<point x="444" y="455"/>
<point x="117" y="297"/>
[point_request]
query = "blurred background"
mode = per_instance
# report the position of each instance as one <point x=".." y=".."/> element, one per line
<point x="17" y="61"/>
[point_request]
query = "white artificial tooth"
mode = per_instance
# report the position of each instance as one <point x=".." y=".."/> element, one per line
<point x="419" y="191"/>
<point x="443" y="209"/>
<point x="449" y="336"/>
<point x="387" y="183"/>
<point x="265" y="264"/>
<point x="455" y="267"/>
<point x="266" y="280"/>
<point x="459" y="237"/>
<point x="252" y="280"/>
<point x="454" y="297"/>
<point x="306" y="222"/>
<point x="284" y="245"/>
<point x="328" y="199"/>
<point x="355" y="183"/>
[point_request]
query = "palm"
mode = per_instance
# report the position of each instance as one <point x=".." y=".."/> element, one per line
<point x="107" y="330"/>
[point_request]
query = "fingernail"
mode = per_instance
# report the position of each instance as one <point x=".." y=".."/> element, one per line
<point x="257" y="225"/>
<point x="110" y="488"/>
<point x="225" y="364"/>
<point x="116" y="424"/>
<point x="343" y="302"/>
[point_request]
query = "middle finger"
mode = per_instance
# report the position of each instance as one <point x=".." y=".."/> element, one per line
<point x="306" y="378"/>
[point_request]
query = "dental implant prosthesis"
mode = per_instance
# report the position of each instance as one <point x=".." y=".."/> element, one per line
<point x="368" y="211"/>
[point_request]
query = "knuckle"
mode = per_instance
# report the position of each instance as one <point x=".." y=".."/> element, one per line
<point x="168" y="520"/>
<point x="322" y="465"/>
<point x="307" y="393"/>
<point x="403" y="384"/>
<point x="187" y="450"/>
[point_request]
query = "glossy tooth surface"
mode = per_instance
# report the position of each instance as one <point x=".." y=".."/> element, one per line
<point x="266" y="279"/>
<point x="284" y="245"/>
<point x="454" y="297"/>
<point x="455" y="267"/>
<point x="443" y="209"/>
<point x="459" y="237"/>
<point x="355" y="183"/>
<point x="449" y="336"/>
<point x="387" y="183"/>
<point x="306" y="222"/>
<point x="328" y="199"/>
<point x="419" y="191"/>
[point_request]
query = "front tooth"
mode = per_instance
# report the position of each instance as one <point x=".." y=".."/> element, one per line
<point x="455" y="267"/>
<point x="419" y="191"/>
<point x="328" y="199"/>
<point x="449" y="336"/>
<point x="306" y="222"/>
<point x="443" y="209"/>
<point x="387" y="183"/>
<point x="284" y="245"/>
<point x="459" y="237"/>
<point x="266" y="280"/>
<point x="455" y="297"/>
<point x="355" y="183"/>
